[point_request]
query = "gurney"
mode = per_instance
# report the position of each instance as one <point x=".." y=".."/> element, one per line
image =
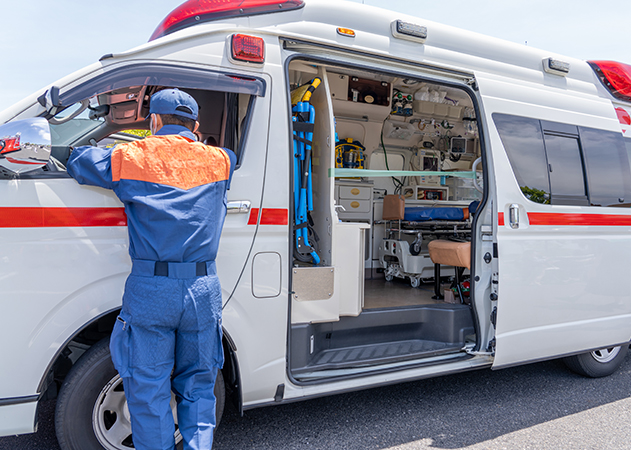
<point x="403" y="253"/>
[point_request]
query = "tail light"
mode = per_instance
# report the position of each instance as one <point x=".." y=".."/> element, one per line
<point x="615" y="76"/>
<point x="193" y="12"/>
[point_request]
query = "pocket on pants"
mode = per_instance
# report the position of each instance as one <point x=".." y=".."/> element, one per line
<point x="120" y="346"/>
<point x="218" y="357"/>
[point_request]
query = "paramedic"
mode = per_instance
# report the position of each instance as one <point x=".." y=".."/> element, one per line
<point x="168" y="334"/>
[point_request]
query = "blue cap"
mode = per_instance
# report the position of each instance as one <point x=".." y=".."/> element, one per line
<point x="174" y="101"/>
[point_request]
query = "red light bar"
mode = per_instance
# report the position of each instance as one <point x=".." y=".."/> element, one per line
<point x="615" y="76"/>
<point x="248" y="48"/>
<point x="193" y="12"/>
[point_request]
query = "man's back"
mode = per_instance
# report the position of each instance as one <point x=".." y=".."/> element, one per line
<point x="173" y="189"/>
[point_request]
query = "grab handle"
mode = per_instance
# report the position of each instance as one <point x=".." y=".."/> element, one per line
<point x="474" y="168"/>
<point x="513" y="213"/>
<point x="238" y="207"/>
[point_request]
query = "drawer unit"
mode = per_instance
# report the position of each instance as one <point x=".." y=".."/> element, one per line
<point x="355" y="192"/>
<point x="356" y="198"/>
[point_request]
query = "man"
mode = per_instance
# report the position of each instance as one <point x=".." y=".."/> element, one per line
<point x="168" y="334"/>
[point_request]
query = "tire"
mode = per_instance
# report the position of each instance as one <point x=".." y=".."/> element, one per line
<point x="91" y="411"/>
<point x="599" y="363"/>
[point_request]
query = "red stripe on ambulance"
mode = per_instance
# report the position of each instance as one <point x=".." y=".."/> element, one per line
<point x="568" y="219"/>
<point x="270" y="216"/>
<point x="27" y="217"/>
<point x="564" y="219"/>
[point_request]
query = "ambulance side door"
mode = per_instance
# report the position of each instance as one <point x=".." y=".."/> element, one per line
<point x="246" y="189"/>
<point x="563" y="222"/>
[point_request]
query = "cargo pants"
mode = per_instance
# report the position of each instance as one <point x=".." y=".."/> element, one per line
<point x="168" y="337"/>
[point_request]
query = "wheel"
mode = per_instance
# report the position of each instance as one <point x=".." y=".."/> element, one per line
<point x="389" y="277"/>
<point x="415" y="282"/>
<point x="599" y="363"/>
<point x="91" y="411"/>
<point x="415" y="249"/>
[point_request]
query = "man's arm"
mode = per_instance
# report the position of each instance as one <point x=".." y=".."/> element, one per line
<point x="91" y="165"/>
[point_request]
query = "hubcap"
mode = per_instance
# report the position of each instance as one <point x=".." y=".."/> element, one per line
<point x="110" y="417"/>
<point x="604" y="355"/>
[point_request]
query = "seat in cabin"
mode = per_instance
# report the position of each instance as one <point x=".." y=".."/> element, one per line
<point x="449" y="253"/>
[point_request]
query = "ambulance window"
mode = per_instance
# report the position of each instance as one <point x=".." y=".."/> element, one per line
<point x="523" y="140"/>
<point x="567" y="182"/>
<point x="607" y="164"/>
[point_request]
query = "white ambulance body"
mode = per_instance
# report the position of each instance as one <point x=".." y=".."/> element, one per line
<point x="442" y="117"/>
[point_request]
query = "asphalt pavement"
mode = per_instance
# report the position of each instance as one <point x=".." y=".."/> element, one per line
<point x="540" y="406"/>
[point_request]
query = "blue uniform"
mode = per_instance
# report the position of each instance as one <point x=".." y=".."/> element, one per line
<point x="168" y="334"/>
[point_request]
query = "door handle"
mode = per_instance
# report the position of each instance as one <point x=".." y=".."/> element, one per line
<point x="238" y="207"/>
<point x="513" y="216"/>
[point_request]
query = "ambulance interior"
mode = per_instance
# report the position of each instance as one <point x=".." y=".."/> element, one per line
<point x="372" y="298"/>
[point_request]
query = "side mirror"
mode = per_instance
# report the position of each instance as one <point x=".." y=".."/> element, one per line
<point x="24" y="145"/>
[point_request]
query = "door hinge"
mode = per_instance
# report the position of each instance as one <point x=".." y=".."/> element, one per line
<point x="494" y="316"/>
<point x="491" y="347"/>
<point x="494" y="284"/>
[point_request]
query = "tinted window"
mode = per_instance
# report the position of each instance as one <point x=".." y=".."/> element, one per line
<point x="567" y="165"/>
<point x="523" y="141"/>
<point x="607" y="167"/>
<point x="567" y="183"/>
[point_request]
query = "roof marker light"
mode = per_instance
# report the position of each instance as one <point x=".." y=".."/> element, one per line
<point x="615" y="76"/>
<point x="556" y="67"/>
<point x="409" y="31"/>
<point x="346" y="32"/>
<point x="248" y="48"/>
<point x="193" y="12"/>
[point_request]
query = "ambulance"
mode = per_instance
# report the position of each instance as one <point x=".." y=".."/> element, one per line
<point x="410" y="200"/>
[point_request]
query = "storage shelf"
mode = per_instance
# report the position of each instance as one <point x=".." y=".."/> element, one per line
<point x="337" y="172"/>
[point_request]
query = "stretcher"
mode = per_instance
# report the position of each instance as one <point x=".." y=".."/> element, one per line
<point x="404" y="254"/>
<point x="302" y="121"/>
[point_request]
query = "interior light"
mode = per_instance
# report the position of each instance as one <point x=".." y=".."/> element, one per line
<point x="556" y="67"/>
<point x="410" y="31"/>
<point x="346" y="32"/>
<point x="615" y="76"/>
<point x="193" y="12"/>
<point x="248" y="48"/>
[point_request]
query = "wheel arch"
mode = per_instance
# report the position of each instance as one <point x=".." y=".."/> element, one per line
<point x="60" y="364"/>
<point x="231" y="372"/>
<point x="100" y="327"/>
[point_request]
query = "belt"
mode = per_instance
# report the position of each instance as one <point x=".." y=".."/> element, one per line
<point x="147" y="268"/>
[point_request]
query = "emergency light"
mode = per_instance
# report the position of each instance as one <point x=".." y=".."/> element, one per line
<point x="623" y="116"/>
<point x="409" y="31"/>
<point x="615" y="76"/>
<point x="248" y="48"/>
<point x="556" y="67"/>
<point x="193" y="12"/>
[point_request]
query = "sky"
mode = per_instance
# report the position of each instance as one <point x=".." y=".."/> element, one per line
<point x="44" y="40"/>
